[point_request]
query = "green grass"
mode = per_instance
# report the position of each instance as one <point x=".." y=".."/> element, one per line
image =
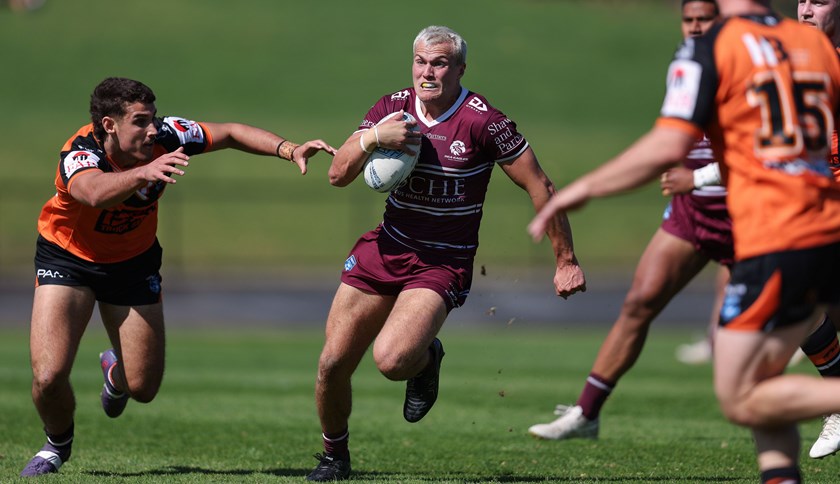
<point x="581" y="79"/>
<point x="237" y="406"/>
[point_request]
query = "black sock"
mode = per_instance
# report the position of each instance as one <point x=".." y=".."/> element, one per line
<point x="786" y="475"/>
<point x="823" y="349"/>
<point x="60" y="443"/>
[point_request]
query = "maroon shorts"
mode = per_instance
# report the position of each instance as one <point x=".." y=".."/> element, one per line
<point x="380" y="265"/>
<point x="704" y="223"/>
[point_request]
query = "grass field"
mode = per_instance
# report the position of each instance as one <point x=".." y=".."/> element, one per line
<point x="582" y="79"/>
<point x="237" y="406"/>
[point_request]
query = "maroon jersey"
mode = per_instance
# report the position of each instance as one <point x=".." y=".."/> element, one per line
<point x="439" y="207"/>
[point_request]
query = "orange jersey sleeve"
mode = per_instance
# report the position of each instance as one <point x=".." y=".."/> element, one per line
<point x="117" y="233"/>
<point x="765" y="90"/>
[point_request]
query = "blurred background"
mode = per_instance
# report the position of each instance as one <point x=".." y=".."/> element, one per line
<point x="582" y="79"/>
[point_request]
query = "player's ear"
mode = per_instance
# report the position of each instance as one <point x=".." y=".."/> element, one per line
<point x="462" y="69"/>
<point x="108" y="124"/>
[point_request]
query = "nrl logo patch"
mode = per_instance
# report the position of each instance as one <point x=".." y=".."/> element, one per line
<point x="350" y="263"/>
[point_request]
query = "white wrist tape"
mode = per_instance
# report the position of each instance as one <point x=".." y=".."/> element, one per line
<point x="707" y="175"/>
<point x="362" y="143"/>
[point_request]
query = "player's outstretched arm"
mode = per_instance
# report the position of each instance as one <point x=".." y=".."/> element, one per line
<point x="526" y="172"/>
<point x="104" y="190"/>
<point x="261" y="142"/>
<point x="658" y="150"/>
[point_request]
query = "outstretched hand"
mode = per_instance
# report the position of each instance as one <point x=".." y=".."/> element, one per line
<point x="301" y="154"/>
<point x="165" y="165"/>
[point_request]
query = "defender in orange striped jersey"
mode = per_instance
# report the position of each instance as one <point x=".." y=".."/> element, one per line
<point x="765" y="90"/>
<point x="97" y="243"/>
<point x="825" y="16"/>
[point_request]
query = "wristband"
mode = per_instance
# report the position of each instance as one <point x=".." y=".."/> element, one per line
<point x="376" y="133"/>
<point x="707" y="175"/>
<point x="285" y="149"/>
<point x="362" y="143"/>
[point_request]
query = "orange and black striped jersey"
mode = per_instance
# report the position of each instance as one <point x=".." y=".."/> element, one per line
<point x="765" y="90"/>
<point x="124" y="231"/>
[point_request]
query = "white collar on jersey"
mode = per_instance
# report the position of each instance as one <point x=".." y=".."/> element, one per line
<point x="418" y="111"/>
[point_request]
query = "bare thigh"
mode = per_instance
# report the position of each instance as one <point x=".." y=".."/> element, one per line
<point x="138" y="337"/>
<point x="401" y="349"/>
<point x="60" y="315"/>
<point x="354" y="321"/>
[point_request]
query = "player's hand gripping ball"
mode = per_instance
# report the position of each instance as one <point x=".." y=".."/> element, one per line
<point x="386" y="168"/>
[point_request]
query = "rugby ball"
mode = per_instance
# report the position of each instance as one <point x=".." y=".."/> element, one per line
<point x="386" y="168"/>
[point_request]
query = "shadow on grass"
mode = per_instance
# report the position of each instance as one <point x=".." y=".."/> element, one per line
<point x="387" y="476"/>
<point x="178" y="470"/>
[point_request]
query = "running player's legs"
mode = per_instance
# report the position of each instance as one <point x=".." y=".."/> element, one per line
<point x="355" y="318"/>
<point x="60" y="315"/>
<point x="665" y="267"/>
<point x="138" y="338"/>
<point x="772" y="303"/>
<point x="753" y="392"/>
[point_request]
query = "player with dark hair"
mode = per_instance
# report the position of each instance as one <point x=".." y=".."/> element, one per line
<point x="403" y="278"/>
<point x="766" y="90"/>
<point x="97" y="244"/>
<point x="695" y="229"/>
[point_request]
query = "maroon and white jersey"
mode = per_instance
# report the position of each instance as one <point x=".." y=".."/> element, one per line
<point x="701" y="155"/>
<point x="439" y="207"/>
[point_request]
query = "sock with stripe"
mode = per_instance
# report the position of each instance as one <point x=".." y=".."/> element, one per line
<point x="823" y="349"/>
<point x="594" y="394"/>
<point x="336" y="444"/>
<point x="782" y="475"/>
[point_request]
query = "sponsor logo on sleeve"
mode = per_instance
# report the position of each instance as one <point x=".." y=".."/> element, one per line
<point x="477" y="104"/>
<point x="187" y="131"/>
<point x="504" y="136"/>
<point x="76" y="160"/>
<point x="683" y="86"/>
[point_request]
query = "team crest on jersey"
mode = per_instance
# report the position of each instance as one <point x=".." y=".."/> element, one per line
<point x="400" y="95"/>
<point x="76" y="160"/>
<point x="458" y="148"/>
<point x="477" y="104"/>
<point x="350" y="263"/>
<point x="683" y="87"/>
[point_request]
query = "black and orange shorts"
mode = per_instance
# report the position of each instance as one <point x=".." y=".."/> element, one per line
<point x="781" y="289"/>
<point x="133" y="282"/>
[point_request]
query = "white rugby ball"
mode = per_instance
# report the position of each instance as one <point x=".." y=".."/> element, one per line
<point x="386" y="168"/>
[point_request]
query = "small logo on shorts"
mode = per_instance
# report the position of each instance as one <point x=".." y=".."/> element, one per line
<point x="732" y="302"/>
<point x="154" y="284"/>
<point x="350" y="263"/>
<point x="49" y="274"/>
